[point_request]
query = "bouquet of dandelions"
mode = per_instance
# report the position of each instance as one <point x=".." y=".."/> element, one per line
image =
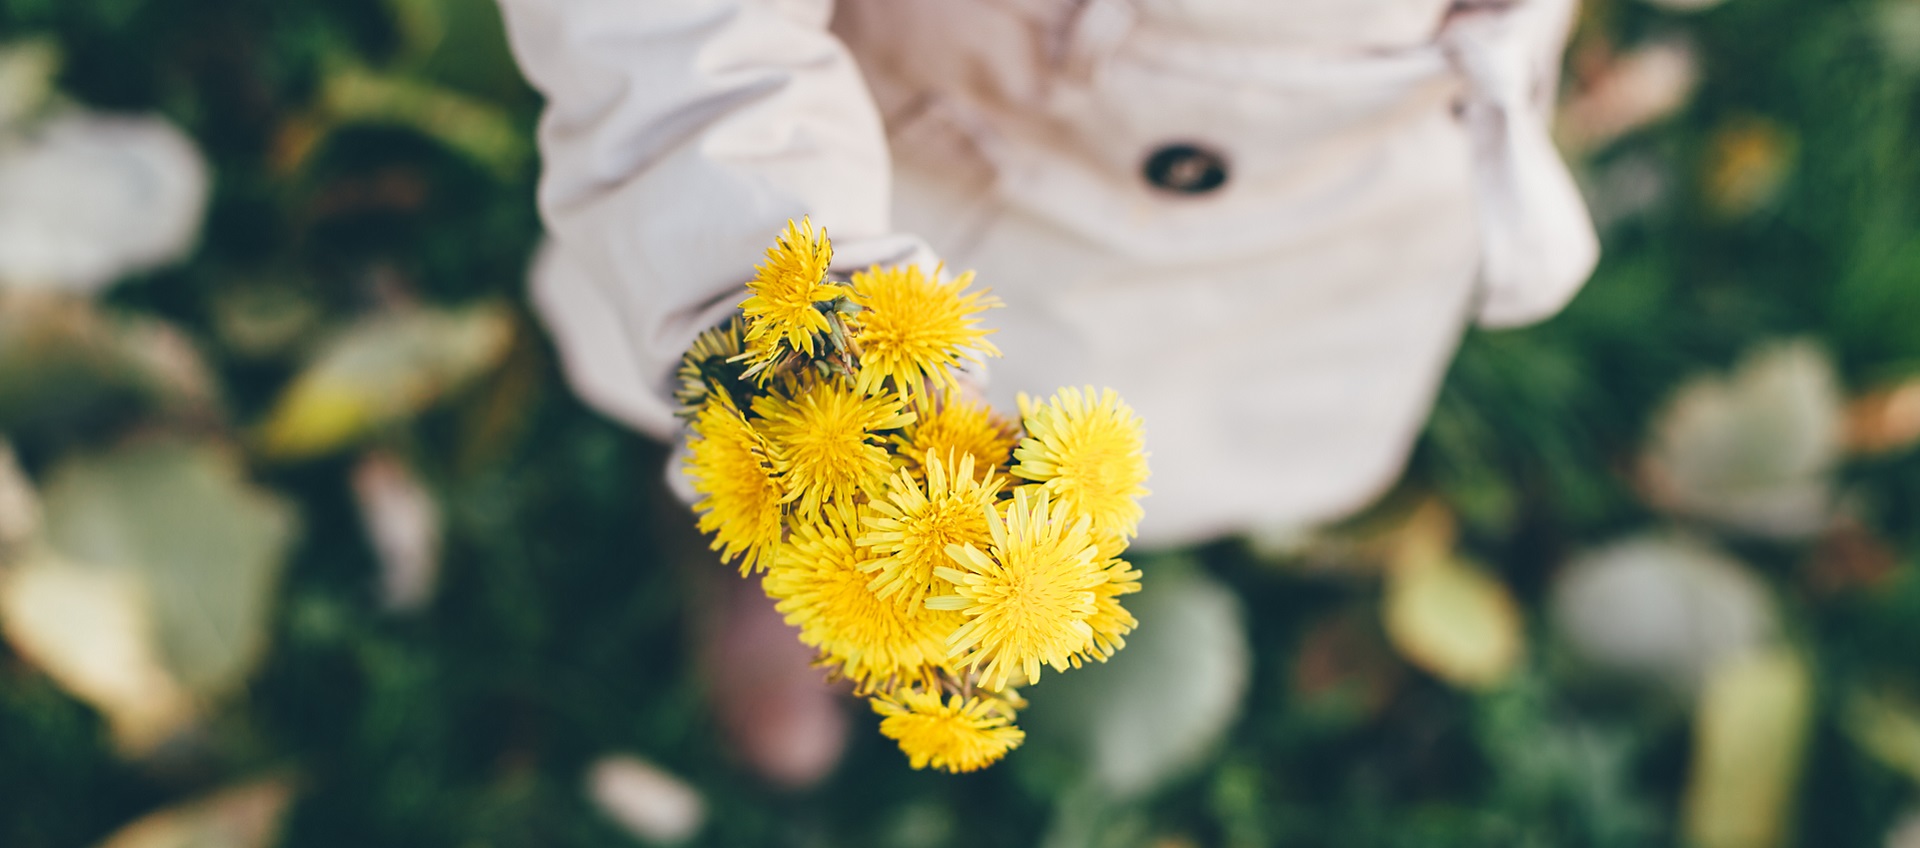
<point x="935" y="555"/>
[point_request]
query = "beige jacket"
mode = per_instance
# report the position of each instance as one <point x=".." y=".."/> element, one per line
<point x="1265" y="222"/>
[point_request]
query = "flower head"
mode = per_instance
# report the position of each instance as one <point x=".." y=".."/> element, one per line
<point x="1027" y="598"/>
<point x="728" y="465"/>
<point x="1088" y="449"/>
<point x="913" y="328"/>
<point x="820" y="588"/>
<point x="782" y="314"/>
<point x="1110" y="621"/>
<point x="825" y="442"/>
<point x="957" y="735"/>
<point x="963" y="428"/>
<point x="909" y="530"/>
<point x="710" y="365"/>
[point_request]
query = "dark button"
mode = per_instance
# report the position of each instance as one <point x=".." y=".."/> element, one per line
<point x="1186" y="169"/>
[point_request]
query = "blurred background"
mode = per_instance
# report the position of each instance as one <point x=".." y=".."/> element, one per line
<point x="303" y="541"/>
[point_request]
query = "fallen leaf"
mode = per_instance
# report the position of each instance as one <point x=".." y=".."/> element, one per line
<point x="648" y="802"/>
<point x="1666" y="607"/>
<point x="1452" y="619"/>
<point x="27" y="69"/>
<point x="19" y="508"/>
<point x="474" y="127"/>
<point x="66" y="362"/>
<point x="1366" y="545"/>
<point x="1905" y="832"/>
<point x="206" y="547"/>
<point x="93" y="631"/>
<point x="1749" y="731"/>
<point x="245" y="816"/>
<point x="1885" y="420"/>
<point x="382" y="370"/>
<point x="1157" y="709"/>
<point x="403" y="523"/>
<point x="1887" y="727"/>
<point x="1748" y="161"/>
<point x="1753" y="451"/>
<point x="261" y="319"/>
<point x="87" y="198"/>
<point x="1630" y="90"/>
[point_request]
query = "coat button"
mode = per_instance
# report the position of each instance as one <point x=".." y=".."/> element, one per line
<point x="1186" y="169"/>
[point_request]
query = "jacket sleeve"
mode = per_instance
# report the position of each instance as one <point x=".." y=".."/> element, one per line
<point x="679" y="137"/>
<point x="1538" y="242"/>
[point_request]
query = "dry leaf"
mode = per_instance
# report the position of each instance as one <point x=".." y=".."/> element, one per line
<point x="403" y="523"/>
<point x="1885" y="420"/>
<point x="1631" y="90"/>
<point x="383" y="370"/>
<point x="1367" y="544"/>
<point x="1451" y="618"/>
<point x="245" y="816"/>
<point x="92" y="630"/>
<point x="19" y="508"/>
<point x="1752" y="451"/>
<point x="1748" y="160"/>
<point x="650" y="803"/>
<point x="64" y="358"/>
<point x="1749" y="731"/>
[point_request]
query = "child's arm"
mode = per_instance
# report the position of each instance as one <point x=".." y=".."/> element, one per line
<point x="679" y="136"/>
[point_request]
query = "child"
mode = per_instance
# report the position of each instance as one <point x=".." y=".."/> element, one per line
<point x="1265" y="222"/>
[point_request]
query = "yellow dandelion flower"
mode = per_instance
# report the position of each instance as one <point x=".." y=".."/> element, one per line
<point x="960" y="427"/>
<point x="782" y="314"/>
<point x="826" y="443"/>
<point x="820" y="588"/>
<point x="1088" y="449"/>
<point x="909" y="530"/>
<point x="1110" y="621"/>
<point x="913" y="328"/>
<point x="1027" y="598"/>
<point x="1109" y="544"/>
<point x="728" y="465"/>
<point x="957" y="735"/>
<point x="709" y="362"/>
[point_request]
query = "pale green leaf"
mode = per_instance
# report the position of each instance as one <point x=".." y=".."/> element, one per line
<point x="1159" y="707"/>
<point x="1752" y="451"/>
<point x="1748" y="734"/>
<point x="204" y="544"/>
<point x="383" y="370"/>
<point x="1452" y="619"/>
